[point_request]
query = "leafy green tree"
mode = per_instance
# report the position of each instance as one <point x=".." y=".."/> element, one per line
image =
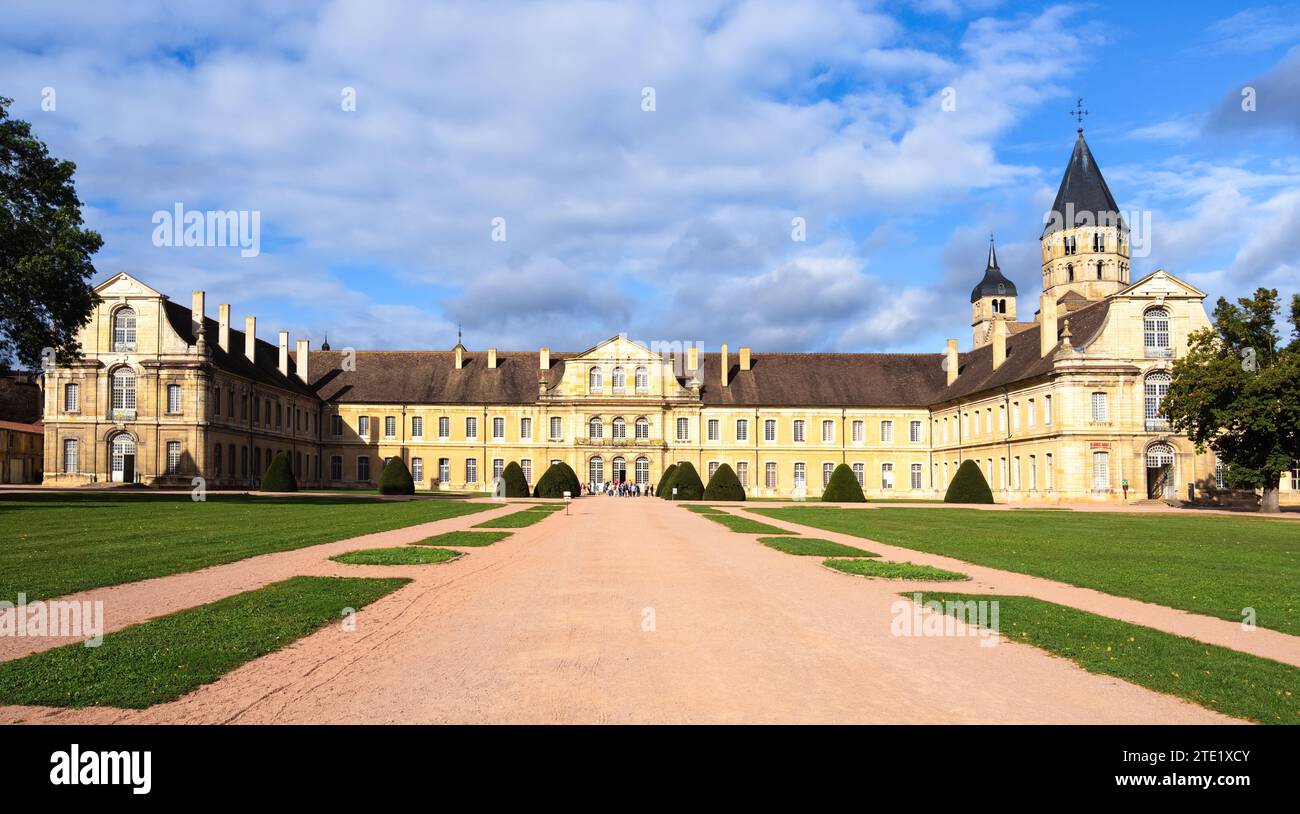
<point x="1237" y="392"/>
<point x="45" y="254"/>
<point x="843" y="487"/>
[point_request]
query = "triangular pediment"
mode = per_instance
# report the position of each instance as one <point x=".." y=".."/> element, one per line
<point x="124" y="285"/>
<point x="1160" y="284"/>
<point x="619" y="348"/>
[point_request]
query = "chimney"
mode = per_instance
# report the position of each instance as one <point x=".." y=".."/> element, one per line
<point x="460" y="356"/>
<point x="250" y="338"/>
<point x="952" y="361"/>
<point x="744" y="358"/>
<point x="999" y="343"/>
<point x="303" y="348"/>
<point x="693" y="358"/>
<point x="223" y="319"/>
<point x="284" y="353"/>
<point x="544" y="359"/>
<point x="196" y="312"/>
<point x="1047" y="324"/>
<point x="725" y="364"/>
<point x="492" y="358"/>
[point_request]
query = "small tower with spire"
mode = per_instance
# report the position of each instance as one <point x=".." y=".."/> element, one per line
<point x="1085" y="242"/>
<point x="993" y="300"/>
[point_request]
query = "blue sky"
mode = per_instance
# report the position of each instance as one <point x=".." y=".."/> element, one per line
<point x="671" y="224"/>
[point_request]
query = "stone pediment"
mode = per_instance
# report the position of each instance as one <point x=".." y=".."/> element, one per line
<point x="1160" y="284"/>
<point x="124" y="285"/>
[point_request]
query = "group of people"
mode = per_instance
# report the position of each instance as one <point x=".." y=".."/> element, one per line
<point x="620" y="489"/>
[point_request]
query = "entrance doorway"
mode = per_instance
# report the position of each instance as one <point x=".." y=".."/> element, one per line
<point x="619" y="467"/>
<point x="1160" y="471"/>
<point x="123" y="459"/>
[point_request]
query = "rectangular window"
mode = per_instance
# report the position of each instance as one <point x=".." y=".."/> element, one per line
<point x="471" y="470"/>
<point x="713" y="429"/>
<point x="859" y="431"/>
<point x="526" y="464"/>
<point x="1050" y="473"/>
<point x="498" y="428"/>
<point x="71" y="398"/>
<point x="886" y="476"/>
<point x="216" y="400"/>
<point x="914" y="432"/>
<point x="417" y="426"/>
<point x="798" y="430"/>
<point x="1002" y="472"/>
<point x="916" y="476"/>
<point x="827" y="469"/>
<point x="828" y="432"/>
<point x="1047" y="409"/>
<point x="557" y="429"/>
<point x="1030" y="418"/>
<point x="742" y="473"/>
<point x="769" y="429"/>
<point x="363" y="468"/>
<point x="498" y="466"/>
<point x="1099" y="411"/>
<point x="713" y="467"/>
<point x="886" y="432"/>
<point x="173" y="398"/>
<point x="444" y="427"/>
<point x="1015" y="415"/>
<point x="444" y="469"/>
<point x="336" y="425"/>
<point x="471" y="427"/>
<point x="800" y="475"/>
<point x="336" y="467"/>
<point x="1219" y="472"/>
<point x="642" y="429"/>
<point x="1101" y="470"/>
<point x="769" y="475"/>
<point x="742" y="430"/>
<point x="173" y="457"/>
<point x="525" y="429"/>
<point x="417" y="470"/>
<point x="70" y="455"/>
<point x="683" y="430"/>
<point x="1033" y="473"/>
<point x="390" y="426"/>
<point x="363" y="425"/>
<point x="859" y="472"/>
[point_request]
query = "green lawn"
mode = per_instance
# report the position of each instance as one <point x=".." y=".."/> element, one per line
<point x="813" y="547"/>
<point x="401" y="555"/>
<point x="59" y="543"/>
<point x="464" y="538"/>
<point x="893" y="570"/>
<point x="1205" y="564"/>
<point x="703" y="509"/>
<point x="1224" y="680"/>
<point x="744" y="525"/>
<point x="518" y="520"/>
<point x="162" y="659"/>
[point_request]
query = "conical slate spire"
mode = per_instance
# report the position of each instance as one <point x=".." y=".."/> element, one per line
<point x="993" y="284"/>
<point x="1083" y="197"/>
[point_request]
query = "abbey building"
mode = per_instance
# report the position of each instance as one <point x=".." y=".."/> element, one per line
<point x="1057" y="399"/>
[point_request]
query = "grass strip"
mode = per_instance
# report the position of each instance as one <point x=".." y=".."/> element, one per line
<point x="461" y="539"/>
<point x="518" y="520"/>
<point x="401" y="555"/>
<point x="893" y="570"/>
<point x="814" y="547"/>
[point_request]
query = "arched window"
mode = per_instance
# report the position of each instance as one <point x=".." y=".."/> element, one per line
<point x="1155" y="329"/>
<point x="1157" y="386"/>
<point x="618" y="470"/>
<point x="124" y="330"/>
<point x="1159" y="455"/>
<point x="618" y="379"/>
<point x="642" y="472"/>
<point x="642" y="428"/>
<point x="1069" y="272"/>
<point x="620" y="428"/>
<point x="122" y="388"/>
<point x="596" y="470"/>
<point x="642" y="379"/>
<point x="216" y="460"/>
<point x="595" y="428"/>
<point x="595" y="380"/>
<point x="1098" y="269"/>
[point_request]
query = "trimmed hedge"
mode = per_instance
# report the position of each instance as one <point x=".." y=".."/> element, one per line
<point x="687" y="483"/>
<point x="396" y="478"/>
<point x="661" y="489"/>
<point x="968" y="485"/>
<point x="516" y="484"/>
<point x="557" y="480"/>
<point x="724" y="485"/>
<point x="278" y="476"/>
<point x="843" y="487"/>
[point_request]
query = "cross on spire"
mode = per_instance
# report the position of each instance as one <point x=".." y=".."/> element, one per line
<point x="1078" y="112"/>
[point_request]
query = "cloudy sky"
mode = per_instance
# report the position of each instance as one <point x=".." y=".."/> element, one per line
<point x="673" y="223"/>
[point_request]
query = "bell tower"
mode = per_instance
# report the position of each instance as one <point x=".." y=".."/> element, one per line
<point x="1085" y="242"/>
<point x="993" y="300"/>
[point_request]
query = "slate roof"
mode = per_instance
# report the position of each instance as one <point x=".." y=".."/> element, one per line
<point x="430" y="377"/>
<point x="1085" y="188"/>
<point x="20" y="399"/>
<point x="994" y="283"/>
<point x="825" y="380"/>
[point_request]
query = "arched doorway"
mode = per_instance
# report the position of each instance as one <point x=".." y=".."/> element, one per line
<point x="122" y="459"/>
<point x="1160" y="471"/>
<point x="619" y="467"/>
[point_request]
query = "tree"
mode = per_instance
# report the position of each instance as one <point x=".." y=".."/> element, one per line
<point x="724" y="485"/>
<point x="666" y="478"/>
<point x="396" y="478"/>
<point x="278" y="476"/>
<point x="968" y="485"/>
<point x="687" y="483"/>
<point x="516" y="483"/>
<point x="45" y="254"/>
<point x="843" y="487"/>
<point x="1237" y="392"/>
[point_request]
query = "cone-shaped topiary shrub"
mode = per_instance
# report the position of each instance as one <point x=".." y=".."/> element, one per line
<point x="724" y="485"/>
<point x="278" y="476"/>
<point x="687" y="483"/>
<point x="661" y="488"/>
<point x="516" y="484"/>
<point x="554" y="482"/>
<point x="843" y="487"/>
<point x="968" y="485"/>
<point x="571" y="482"/>
<point x="396" y="478"/>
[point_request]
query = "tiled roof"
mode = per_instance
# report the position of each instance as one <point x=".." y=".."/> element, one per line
<point x="825" y="380"/>
<point x="1083" y="187"/>
<point x="430" y="377"/>
<point x="267" y="368"/>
